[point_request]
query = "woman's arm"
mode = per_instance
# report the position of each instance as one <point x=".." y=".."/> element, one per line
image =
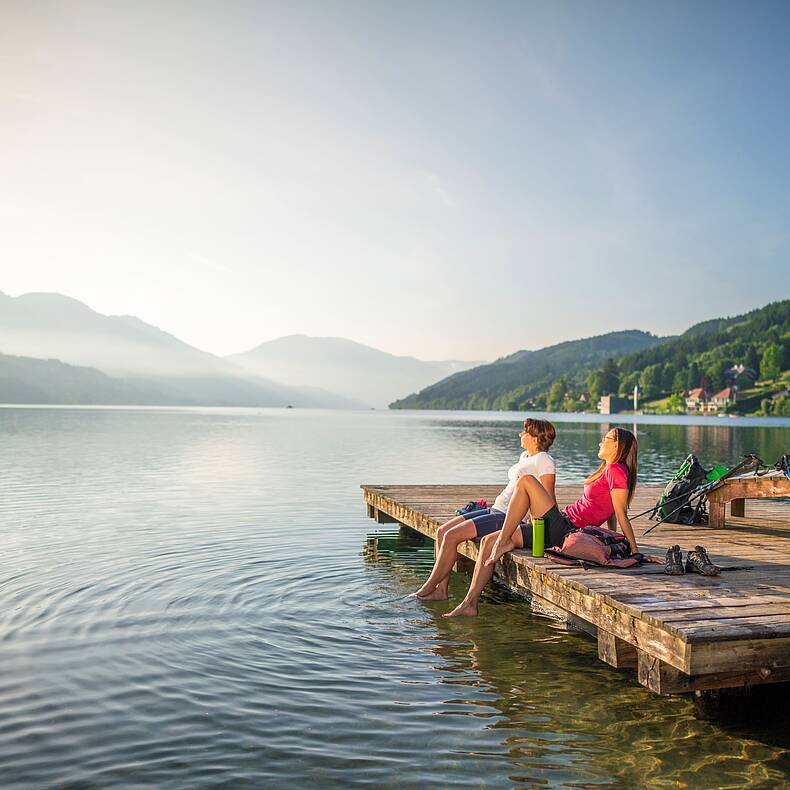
<point x="620" y="502"/>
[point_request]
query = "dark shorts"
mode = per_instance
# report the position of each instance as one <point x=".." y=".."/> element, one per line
<point x="486" y="521"/>
<point x="556" y="525"/>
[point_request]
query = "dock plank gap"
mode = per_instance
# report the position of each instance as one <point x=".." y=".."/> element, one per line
<point x="680" y="634"/>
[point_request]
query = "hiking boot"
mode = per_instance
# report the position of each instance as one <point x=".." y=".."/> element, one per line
<point x="698" y="561"/>
<point x="674" y="562"/>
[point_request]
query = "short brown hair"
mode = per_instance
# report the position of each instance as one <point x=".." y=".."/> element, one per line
<point x="542" y="430"/>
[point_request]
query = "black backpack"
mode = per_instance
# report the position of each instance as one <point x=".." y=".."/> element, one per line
<point x="673" y="505"/>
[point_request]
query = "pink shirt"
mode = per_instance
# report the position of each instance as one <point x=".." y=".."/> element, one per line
<point x="595" y="507"/>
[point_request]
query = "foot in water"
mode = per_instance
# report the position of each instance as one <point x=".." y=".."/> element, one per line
<point x="428" y="593"/>
<point x="463" y="609"/>
<point x="439" y="594"/>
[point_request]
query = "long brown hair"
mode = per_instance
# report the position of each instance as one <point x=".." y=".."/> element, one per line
<point x="627" y="450"/>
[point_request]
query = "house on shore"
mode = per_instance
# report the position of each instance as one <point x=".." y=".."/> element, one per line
<point x="740" y="370"/>
<point x="722" y="399"/>
<point x="702" y="402"/>
<point x="696" y="399"/>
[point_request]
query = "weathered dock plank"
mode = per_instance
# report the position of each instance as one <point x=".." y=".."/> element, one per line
<point x="681" y="633"/>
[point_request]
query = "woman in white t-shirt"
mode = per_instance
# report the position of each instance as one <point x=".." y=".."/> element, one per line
<point x="536" y="438"/>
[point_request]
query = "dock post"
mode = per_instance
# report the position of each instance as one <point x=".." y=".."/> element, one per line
<point x="659" y="676"/>
<point x="615" y="651"/>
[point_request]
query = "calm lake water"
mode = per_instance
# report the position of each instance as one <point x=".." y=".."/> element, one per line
<point x="186" y="601"/>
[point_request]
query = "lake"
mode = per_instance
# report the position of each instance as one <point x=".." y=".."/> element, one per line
<point x="186" y="600"/>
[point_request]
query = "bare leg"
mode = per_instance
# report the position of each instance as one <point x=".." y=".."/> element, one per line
<point x="482" y="575"/>
<point x="529" y="495"/>
<point x="442" y="531"/>
<point x="435" y="586"/>
<point x="437" y="549"/>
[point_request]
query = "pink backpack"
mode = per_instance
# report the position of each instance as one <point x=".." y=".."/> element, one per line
<point x="594" y="546"/>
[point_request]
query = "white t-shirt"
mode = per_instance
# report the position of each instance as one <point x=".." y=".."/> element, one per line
<point x="536" y="465"/>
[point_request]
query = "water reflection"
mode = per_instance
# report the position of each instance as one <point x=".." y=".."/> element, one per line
<point x="184" y="603"/>
<point x="562" y="717"/>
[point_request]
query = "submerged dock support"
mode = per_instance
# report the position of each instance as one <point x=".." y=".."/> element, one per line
<point x="615" y="651"/>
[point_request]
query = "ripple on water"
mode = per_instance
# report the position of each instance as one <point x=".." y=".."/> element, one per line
<point x="183" y="604"/>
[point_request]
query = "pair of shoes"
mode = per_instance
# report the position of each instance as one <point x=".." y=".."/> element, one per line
<point x="674" y="564"/>
<point x="697" y="561"/>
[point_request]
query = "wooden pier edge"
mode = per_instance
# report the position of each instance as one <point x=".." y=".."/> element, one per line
<point x="665" y="659"/>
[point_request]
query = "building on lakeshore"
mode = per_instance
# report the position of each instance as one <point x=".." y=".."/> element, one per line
<point x="722" y="399"/>
<point x="741" y="370"/>
<point x="612" y="404"/>
<point x="696" y="399"/>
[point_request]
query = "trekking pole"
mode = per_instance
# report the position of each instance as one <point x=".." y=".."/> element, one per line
<point x="704" y="490"/>
<point x="681" y="471"/>
<point x="749" y="460"/>
<point x="691" y="494"/>
<point x="782" y="466"/>
<point x="657" y="506"/>
<point x="666" y="502"/>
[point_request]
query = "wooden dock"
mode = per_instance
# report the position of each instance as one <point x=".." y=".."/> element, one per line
<point x="681" y="633"/>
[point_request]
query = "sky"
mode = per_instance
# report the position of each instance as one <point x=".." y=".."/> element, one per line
<point x="447" y="180"/>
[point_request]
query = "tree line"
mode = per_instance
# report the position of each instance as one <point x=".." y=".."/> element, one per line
<point x="760" y="344"/>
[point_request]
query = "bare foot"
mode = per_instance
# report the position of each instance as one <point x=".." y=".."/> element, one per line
<point x="426" y="590"/>
<point x="439" y="594"/>
<point x="463" y="609"/>
<point x="499" y="550"/>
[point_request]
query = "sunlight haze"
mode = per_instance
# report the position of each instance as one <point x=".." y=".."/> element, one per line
<point x="442" y="180"/>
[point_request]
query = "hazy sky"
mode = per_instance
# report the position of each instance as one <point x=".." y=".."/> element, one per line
<point x="443" y="179"/>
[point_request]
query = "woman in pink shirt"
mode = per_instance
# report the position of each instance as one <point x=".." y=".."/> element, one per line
<point x="607" y="495"/>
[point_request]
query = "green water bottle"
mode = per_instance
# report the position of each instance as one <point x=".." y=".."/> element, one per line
<point x="537" y="537"/>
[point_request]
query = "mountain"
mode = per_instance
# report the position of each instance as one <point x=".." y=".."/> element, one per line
<point x="513" y="381"/>
<point x="144" y="361"/>
<point x="350" y="369"/>
<point x="52" y="325"/>
<point x="26" y="380"/>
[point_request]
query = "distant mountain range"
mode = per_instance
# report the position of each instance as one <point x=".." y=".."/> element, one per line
<point x="344" y="367"/>
<point x="511" y="382"/>
<point x="55" y="349"/>
<point x="138" y="363"/>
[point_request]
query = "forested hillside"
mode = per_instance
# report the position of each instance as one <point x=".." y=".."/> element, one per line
<point x="523" y="378"/>
<point x="572" y="376"/>
<point x="705" y="355"/>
